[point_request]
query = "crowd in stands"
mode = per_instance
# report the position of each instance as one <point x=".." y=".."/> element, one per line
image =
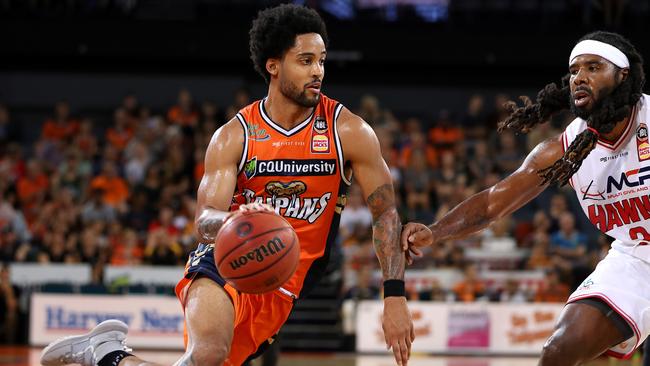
<point x="124" y="194"/>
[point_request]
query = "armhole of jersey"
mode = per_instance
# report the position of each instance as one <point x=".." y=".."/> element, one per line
<point x="244" y="152"/>
<point x="565" y="146"/>
<point x="339" y="148"/>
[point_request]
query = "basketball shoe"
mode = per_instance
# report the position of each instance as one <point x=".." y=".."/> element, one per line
<point x="89" y="348"/>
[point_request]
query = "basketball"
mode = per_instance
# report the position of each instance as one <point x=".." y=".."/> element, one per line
<point x="256" y="251"/>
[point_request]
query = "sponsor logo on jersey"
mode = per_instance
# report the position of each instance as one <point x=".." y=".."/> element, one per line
<point x="256" y="133"/>
<point x="289" y="167"/>
<point x="631" y="178"/>
<point x="590" y="193"/>
<point x="290" y="199"/>
<point x="643" y="147"/>
<point x="320" y="144"/>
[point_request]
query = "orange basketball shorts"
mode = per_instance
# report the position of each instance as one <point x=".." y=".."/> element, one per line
<point x="258" y="318"/>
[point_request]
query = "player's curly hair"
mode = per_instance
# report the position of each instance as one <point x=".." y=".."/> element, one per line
<point x="554" y="98"/>
<point x="275" y="29"/>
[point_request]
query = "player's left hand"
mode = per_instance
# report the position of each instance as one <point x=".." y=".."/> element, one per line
<point x="256" y="207"/>
<point x="398" y="328"/>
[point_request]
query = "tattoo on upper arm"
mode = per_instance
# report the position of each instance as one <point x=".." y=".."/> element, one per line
<point x="386" y="230"/>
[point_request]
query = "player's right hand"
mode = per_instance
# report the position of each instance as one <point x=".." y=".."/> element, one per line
<point x="415" y="236"/>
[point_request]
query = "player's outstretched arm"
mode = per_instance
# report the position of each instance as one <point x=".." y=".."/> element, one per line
<point x="477" y="212"/>
<point x="361" y="149"/>
<point x="219" y="179"/>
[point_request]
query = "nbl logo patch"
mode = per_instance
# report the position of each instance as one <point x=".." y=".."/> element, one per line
<point x="643" y="147"/>
<point x="320" y="141"/>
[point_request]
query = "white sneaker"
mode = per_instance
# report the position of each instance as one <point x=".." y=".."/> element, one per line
<point x="89" y="348"/>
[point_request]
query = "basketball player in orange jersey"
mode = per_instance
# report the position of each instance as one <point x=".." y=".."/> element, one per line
<point x="295" y="150"/>
<point x="604" y="154"/>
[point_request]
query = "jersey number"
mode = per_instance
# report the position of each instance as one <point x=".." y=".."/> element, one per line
<point x="640" y="233"/>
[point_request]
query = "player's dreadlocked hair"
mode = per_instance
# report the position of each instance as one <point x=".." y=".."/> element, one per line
<point x="553" y="98"/>
<point x="275" y="29"/>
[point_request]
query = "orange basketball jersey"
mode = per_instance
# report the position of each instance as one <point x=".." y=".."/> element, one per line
<point x="300" y="173"/>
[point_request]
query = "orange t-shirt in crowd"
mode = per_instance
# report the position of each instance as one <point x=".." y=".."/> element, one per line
<point x="116" y="191"/>
<point x="557" y="293"/>
<point x="177" y="116"/>
<point x="119" y="139"/>
<point x="445" y="137"/>
<point x="466" y="291"/>
<point x="54" y="131"/>
<point x="430" y="154"/>
<point x="28" y="188"/>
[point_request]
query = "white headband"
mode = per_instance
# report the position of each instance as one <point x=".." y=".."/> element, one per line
<point x="604" y="50"/>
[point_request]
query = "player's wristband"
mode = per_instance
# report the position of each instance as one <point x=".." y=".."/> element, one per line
<point x="394" y="288"/>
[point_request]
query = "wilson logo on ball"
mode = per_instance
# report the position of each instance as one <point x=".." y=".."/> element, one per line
<point x="273" y="247"/>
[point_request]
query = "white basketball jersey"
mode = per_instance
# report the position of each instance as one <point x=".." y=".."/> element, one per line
<point x="613" y="183"/>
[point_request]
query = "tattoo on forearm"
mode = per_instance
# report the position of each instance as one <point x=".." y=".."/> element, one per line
<point x="386" y="230"/>
<point x="209" y="225"/>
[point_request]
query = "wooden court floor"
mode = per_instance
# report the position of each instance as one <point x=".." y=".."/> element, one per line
<point x="24" y="356"/>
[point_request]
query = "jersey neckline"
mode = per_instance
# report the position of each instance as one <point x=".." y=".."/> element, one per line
<point x="277" y="126"/>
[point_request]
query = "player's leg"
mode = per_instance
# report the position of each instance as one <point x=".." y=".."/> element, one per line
<point x="209" y="316"/>
<point x="582" y="333"/>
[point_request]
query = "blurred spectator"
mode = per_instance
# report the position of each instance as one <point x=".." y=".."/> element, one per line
<point x="364" y="288"/>
<point x="32" y="188"/>
<point x="125" y="249"/>
<point x="356" y="214"/>
<point x="61" y="127"/>
<point x="73" y="173"/>
<point x="137" y="161"/>
<point x="97" y="209"/>
<point x="417" y="185"/>
<point x="435" y="293"/>
<point x="86" y="141"/>
<point x="445" y="133"/>
<point x="120" y="134"/>
<point x="471" y="287"/>
<point x="539" y="257"/>
<point x="558" y="207"/>
<point x="370" y="111"/>
<point x="481" y="162"/>
<point x="183" y="113"/>
<point x="508" y="157"/>
<point x="498" y="114"/>
<point x="162" y="249"/>
<point x="446" y="178"/>
<point x="474" y="119"/>
<point x="131" y="106"/>
<point x="567" y="242"/>
<point x="512" y="292"/>
<point x="9" y="295"/>
<point x="552" y="290"/>
<point x="497" y="238"/>
<point x="417" y="143"/>
<point x="115" y="189"/>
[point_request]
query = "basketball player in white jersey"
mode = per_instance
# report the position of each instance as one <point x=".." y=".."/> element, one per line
<point x="604" y="155"/>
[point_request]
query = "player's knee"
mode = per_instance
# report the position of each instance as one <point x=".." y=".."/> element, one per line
<point x="558" y="351"/>
<point x="214" y="355"/>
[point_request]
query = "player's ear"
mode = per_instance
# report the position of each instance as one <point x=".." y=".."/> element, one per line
<point x="273" y="66"/>
<point x="624" y="73"/>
